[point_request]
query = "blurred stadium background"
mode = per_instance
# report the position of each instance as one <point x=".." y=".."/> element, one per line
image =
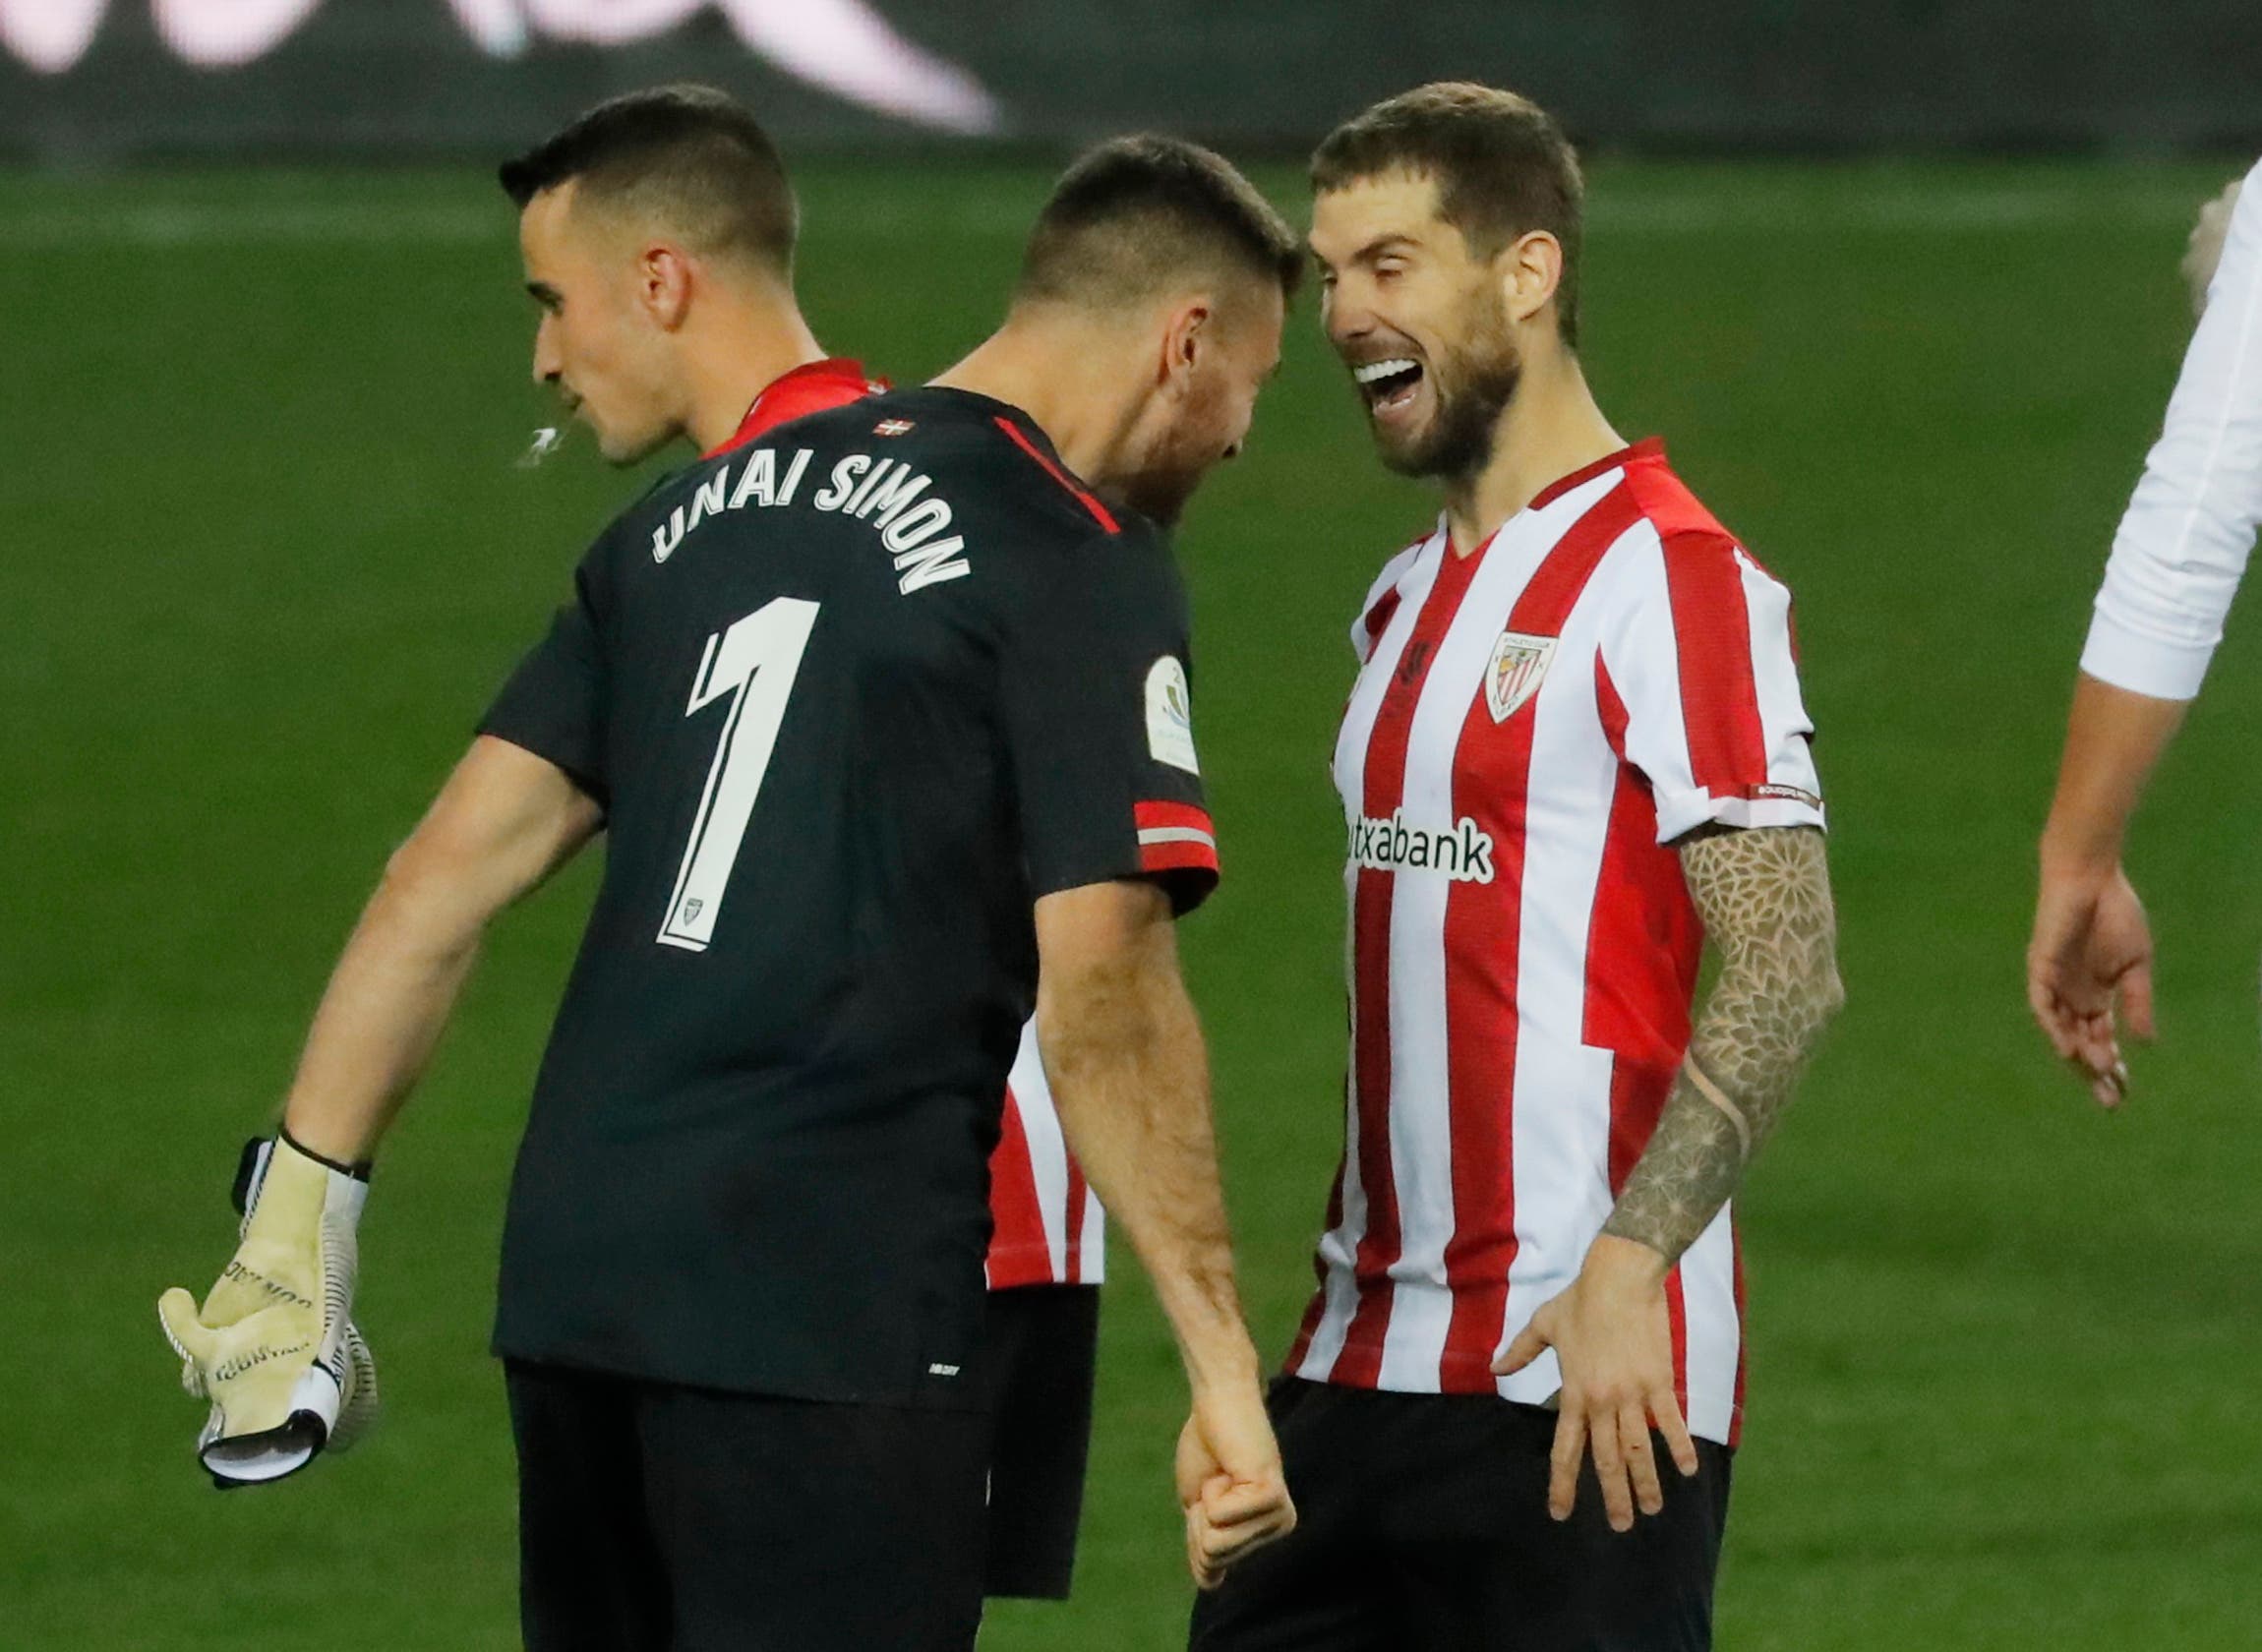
<point x="1897" y="281"/>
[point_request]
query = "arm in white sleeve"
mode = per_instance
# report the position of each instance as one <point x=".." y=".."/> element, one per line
<point x="2191" y="525"/>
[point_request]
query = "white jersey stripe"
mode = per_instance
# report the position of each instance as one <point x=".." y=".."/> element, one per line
<point x="1708" y="1290"/>
<point x="1048" y="1150"/>
<point x="1176" y="834"/>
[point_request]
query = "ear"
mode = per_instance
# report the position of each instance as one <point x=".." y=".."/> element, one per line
<point x="664" y="279"/>
<point x="1530" y="269"/>
<point x="1189" y="328"/>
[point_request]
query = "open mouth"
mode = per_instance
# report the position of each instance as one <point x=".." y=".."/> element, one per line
<point x="1389" y="386"/>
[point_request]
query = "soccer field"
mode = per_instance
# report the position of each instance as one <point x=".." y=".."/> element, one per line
<point x="267" y="554"/>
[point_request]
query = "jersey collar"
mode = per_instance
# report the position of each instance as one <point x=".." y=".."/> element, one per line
<point x="810" y="387"/>
<point x="1649" y="448"/>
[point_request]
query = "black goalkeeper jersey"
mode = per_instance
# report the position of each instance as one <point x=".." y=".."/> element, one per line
<point x="852" y="697"/>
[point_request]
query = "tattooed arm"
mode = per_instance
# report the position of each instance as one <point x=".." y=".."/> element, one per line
<point x="1764" y="896"/>
<point x="1765" y="900"/>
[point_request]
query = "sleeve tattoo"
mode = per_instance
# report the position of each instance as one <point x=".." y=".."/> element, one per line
<point x="1764" y="896"/>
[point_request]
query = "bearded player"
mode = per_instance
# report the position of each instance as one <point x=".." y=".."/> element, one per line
<point x="1574" y="751"/>
<point x="742" y="1261"/>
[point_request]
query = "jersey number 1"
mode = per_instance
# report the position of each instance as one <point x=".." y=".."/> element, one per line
<point x="755" y="663"/>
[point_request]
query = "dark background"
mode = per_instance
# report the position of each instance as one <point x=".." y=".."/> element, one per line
<point x="405" y="76"/>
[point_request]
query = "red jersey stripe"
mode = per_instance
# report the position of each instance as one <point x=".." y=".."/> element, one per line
<point x="1100" y="513"/>
<point x="1164" y="816"/>
<point x="1677" y="1320"/>
<point x="1016" y="1214"/>
<point x="1075" y="1220"/>
<point x="1713" y="629"/>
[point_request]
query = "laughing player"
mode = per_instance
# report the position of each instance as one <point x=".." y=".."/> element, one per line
<point x="1576" y="749"/>
<point x="877" y="712"/>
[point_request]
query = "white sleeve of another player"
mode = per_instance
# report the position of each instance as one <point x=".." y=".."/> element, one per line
<point x="2190" y="527"/>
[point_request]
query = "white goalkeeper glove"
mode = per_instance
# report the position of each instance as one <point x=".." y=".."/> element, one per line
<point x="274" y="1347"/>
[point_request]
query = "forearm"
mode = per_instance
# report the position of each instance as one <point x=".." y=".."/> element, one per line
<point x="1765" y="897"/>
<point x="2112" y="740"/>
<point x="504" y="822"/>
<point x="388" y="1002"/>
<point x="1125" y="1059"/>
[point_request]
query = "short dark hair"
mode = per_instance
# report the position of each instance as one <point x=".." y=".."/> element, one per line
<point x="692" y="156"/>
<point x="1501" y="165"/>
<point x="1134" y="215"/>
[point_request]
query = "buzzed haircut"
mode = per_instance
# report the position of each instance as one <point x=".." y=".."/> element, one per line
<point x="1139" y="216"/>
<point x="1503" y="169"/>
<point x="690" y="157"/>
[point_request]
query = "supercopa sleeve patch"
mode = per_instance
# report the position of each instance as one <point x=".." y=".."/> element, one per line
<point x="1170" y="716"/>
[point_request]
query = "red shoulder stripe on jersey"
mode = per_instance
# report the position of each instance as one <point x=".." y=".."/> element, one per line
<point x="1174" y="837"/>
<point x="1160" y="815"/>
<point x="1100" y="513"/>
<point x="1719" y="693"/>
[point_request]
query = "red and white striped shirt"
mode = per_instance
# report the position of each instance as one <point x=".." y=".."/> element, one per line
<point x="1533" y="727"/>
<point x="1049" y="1229"/>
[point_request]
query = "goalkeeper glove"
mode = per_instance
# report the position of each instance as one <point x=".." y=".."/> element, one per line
<point x="274" y="1347"/>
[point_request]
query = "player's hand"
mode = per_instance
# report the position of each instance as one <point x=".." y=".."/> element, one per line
<point x="273" y="1347"/>
<point x="1231" y="1486"/>
<point x="2089" y="972"/>
<point x="1614" y="1340"/>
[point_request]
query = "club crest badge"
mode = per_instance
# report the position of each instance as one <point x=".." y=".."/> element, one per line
<point x="1518" y="664"/>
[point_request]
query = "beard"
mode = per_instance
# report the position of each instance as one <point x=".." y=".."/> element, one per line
<point x="1162" y="482"/>
<point x="1472" y="388"/>
<point x="1157" y="493"/>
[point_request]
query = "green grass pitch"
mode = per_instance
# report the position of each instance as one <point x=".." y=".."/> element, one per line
<point x="265" y="555"/>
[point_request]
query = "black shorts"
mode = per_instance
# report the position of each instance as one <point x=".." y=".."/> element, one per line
<point x="655" y="1518"/>
<point x="1422" y="1526"/>
<point x="1043" y="1348"/>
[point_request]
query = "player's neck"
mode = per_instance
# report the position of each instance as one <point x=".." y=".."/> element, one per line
<point x="1551" y="428"/>
<point x="738" y="355"/>
<point x="1055" y="371"/>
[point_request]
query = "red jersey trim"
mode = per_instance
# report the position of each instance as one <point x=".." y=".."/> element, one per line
<point x="1175" y="838"/>
<point x="1649" y="448"/>
<point x="1100" y="513"/>
<point x="811" y="387"/>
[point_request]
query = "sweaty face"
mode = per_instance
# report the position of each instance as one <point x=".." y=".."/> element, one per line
<point x="596" y="344"/>
<point x="1422" y="325"/>
<point x="1203" y="415"/>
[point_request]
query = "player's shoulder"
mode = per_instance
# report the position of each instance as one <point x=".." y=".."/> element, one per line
<point x="1385" y="592"/>
<point x="1398" y="564"/>
<point x="1691" y="541"/>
